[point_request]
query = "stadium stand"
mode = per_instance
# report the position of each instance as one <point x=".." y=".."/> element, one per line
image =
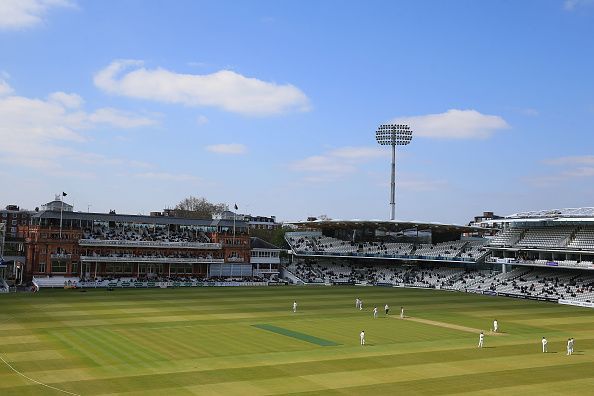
<point x="541" y="282"/>
<point x="508" y="237"/>
<point x="583" y="239"/>
<point x="143" y="233"/>
<point x="546" y="237"/>
<point x="3" y="286"/>
<point x="316" y="244"/>
<point x="343" y="272"/>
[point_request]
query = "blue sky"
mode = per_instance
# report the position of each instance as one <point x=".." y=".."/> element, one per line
<point x="134" y="105"/>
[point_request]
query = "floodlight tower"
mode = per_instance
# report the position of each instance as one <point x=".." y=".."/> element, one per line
<point x="393" y="135"/>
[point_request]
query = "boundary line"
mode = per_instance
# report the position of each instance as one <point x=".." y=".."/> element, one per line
<point x="35" y="381"/>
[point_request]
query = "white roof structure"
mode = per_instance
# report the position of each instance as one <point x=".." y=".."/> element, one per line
<point x="549" y="216"/>
<point x="391" y="225"/>
<point x="587" y="212"/>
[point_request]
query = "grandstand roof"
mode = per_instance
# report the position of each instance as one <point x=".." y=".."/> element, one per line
<point x="573" y="213"/>
<point x="388" y="225"/>
<point x="126" y="218"/>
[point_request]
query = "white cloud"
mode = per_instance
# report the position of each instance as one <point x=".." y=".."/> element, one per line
<point x="571" y="160"/>
<point x="17" y="14"/>
<point x="570" y="167"/>
<point x="224" y="89"/>
<point x="164" y="176"/>
<point x="530" y="112"/>
<point x="120" y="119"/>
<point x="582" y="171"/>
<point x="570" y="5"/>
<point x="71" y="101"/>
<point x="323" y="164"/>
<point x="202" y="120"/>
<point x="233" y="148"/>
<point x="5" y="89"/>
<point x="336" y="163"/>
<point x="455" y="124"/>
<point x="359" y="153"/>
<point x="40" y="134"/>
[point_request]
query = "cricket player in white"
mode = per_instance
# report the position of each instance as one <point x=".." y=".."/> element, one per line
<point x="570" y="346"/>
<point x="495" y="326"/>
<point x="544" y="345"/>
<point x="481" y="339"/>
<point x="375" y="313"/>
<point x="401" y="312"/>
<point x="360" y="305"/>
<point x="387" y="309"/>
<point x="294" y="306"/>
<point x="362" y="337"/>
<point x="357" y="303"/>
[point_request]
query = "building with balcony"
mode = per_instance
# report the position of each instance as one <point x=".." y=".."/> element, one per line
<point x="90" y="245"/>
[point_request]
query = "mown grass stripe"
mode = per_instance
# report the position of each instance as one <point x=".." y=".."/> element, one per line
<point x="475" y="382"/>
<point x="295" y="334"/>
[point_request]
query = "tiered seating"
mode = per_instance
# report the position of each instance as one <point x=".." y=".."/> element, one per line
<point x="144" y="233"/>
<point x="3" y="286"/>
<point x="440" y="250"/>
<point x="541" y="282"/>
<point x="317" y="244"/>
<point x="468" y="279"/>
<point x="149" y="256"/>
<point x="474" y="250"/>
<point x="546" y="237"/>
<point x="384" y="274"/>
<point x="431" y="278"/>
<point x="507" y="237"/>
<point x="491" y="283"/>
<point x="584" y="239"/>
<point x="306" y="273"/>
<point x="54" y="281"/>
<point x="576" y="264"/>
<point x="391" y="275"/>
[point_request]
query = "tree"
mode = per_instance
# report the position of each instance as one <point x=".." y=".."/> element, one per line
<point x="275" y="236"/>
<point x="198" y="208"/>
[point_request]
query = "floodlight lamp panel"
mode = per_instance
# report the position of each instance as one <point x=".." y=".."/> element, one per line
<point x="393" y="134"/>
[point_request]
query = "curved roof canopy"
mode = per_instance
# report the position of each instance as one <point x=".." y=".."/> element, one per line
<point x="387" y="225"/>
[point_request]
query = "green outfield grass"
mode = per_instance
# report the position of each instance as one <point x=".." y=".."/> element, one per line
<point x="246" y="341"/>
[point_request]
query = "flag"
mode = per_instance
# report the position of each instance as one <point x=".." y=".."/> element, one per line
<point x="236" y="207"/>
<point x="64" y="194"/>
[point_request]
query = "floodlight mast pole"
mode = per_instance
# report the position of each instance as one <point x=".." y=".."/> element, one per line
<point x="393" y="135"/>
<point x="393" y="179"/>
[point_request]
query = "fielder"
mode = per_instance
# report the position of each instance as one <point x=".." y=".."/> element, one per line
<point x="362" y="337"/>
<point x="375" y="313"/>
<point x="401" y="312"/>
<point x="357" y="302"/>
<point x="544" y="345"/>
<point x="495" y="326"/>
<point x="481" y="339"/>
<point x="572" y="343"/>
<point x="360" y="305"/>
<point x="294" y="306"/>
<point x="387" y="309"/>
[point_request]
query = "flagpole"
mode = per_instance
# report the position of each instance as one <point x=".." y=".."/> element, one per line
<point x="61" y="210"/>
<point x="234" y="243"/>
